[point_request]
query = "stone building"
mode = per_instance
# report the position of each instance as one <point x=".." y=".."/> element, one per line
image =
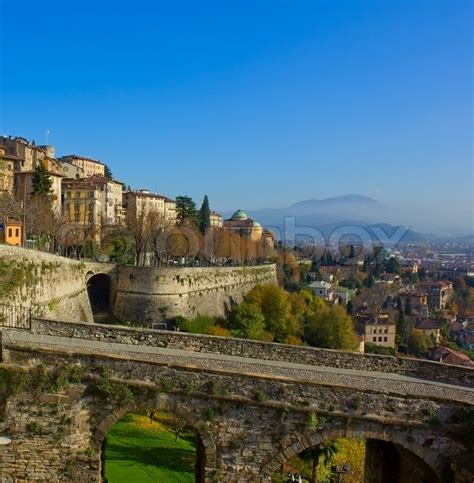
<point x="90" y="167"/>
<point x="7" y="167"/>
<point x="439" y="293"/>
<point x="418" y="299"/>
<point x="26" y="156"/>
<point x="240" y="224"/>
<point x="27" y="153"/>
<point x="71" y="171"/>
<point x="144" y="201"/>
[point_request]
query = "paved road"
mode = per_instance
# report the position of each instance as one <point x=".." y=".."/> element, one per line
<point x="358" y="379"/>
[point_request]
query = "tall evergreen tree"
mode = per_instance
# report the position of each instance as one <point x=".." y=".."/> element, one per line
<point x="42" y="182"/>
<point x="408" y="308"/>
<point x="402" y="328"/>
<point x="108" y="172"/>
<point x="204" y="215"/>
<point x="186" y="209"/>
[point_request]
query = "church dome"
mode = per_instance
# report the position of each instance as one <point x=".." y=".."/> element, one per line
<point x="239" y="215"/>
<point x="256" y="224"/>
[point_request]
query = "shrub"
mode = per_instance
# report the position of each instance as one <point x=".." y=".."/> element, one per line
<point x="218" y="331"/>
<point x="198" y="325"/>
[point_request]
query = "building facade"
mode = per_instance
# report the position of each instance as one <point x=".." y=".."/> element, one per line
<point x="11" y="232"/>
<point x="244" y="226"/>
<point x="90" y="167"/>
<point x="142" y="202"/>
<point x="7" y="168"/>
<point x="380" y="331"/>
<point x="95" y="200"/>
<point x="217" y="220"/>
<point x="439" y="294"/>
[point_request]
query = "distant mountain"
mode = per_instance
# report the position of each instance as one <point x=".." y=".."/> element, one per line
<point x="331" y="213"/>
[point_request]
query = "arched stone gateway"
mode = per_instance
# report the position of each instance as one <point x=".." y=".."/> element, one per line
<point x="99" y="291"/>
<point x="411" y="449"/>
<point x="206" y="449"/>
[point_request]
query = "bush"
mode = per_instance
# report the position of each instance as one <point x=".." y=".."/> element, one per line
<point x="198" y="325"/>
<point x="218" y="331"/>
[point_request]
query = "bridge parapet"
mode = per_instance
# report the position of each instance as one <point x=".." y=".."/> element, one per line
<point x="423" y="369"/>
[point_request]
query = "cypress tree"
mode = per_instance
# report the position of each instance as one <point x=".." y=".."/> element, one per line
<point x="42" y="182"/>
<point x="204" y="215"/>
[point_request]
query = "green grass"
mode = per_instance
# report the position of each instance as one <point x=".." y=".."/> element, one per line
<point x="140" y="451"/>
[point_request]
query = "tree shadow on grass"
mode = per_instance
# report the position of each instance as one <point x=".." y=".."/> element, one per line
<point x="172" y="459"/>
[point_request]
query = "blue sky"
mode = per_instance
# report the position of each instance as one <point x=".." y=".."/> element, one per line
<point x="256" y="103"/>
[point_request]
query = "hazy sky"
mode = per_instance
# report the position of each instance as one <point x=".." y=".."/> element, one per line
<point x="256" y="103"/>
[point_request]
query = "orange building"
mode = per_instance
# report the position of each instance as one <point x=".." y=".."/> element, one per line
<point x="11" y="232"/>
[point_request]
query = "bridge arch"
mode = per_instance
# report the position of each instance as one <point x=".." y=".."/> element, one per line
<point x="415" y="442"/>
<point x="206" y="454"/>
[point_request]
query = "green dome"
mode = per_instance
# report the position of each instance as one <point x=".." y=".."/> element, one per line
<point x="256" y="224"/>
<point x="239" y="215"/>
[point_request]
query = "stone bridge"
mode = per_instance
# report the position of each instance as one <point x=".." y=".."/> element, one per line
<point x="253" y="405"/>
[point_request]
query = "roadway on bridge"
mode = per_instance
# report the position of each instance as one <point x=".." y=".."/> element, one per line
<point x="357" y="379"/>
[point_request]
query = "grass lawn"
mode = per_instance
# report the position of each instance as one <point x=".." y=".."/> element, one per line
<point x="140" y="451"/>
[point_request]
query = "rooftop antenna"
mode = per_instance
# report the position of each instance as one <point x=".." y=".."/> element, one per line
<point x="48" y="132"/>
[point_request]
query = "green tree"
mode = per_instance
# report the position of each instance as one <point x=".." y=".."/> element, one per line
<point x="204" y="215"/>
<point x="248" y="321"/>
<point x="418" y="343"/>
<point x="392" y="265"/>
<point x="330" y="327"/>
<point x="408" y="308"/>
<point x="350" y="307"/>
<point x="108" y="173"/>
<point x="41" y="181"/>
<point x="402" y="328"/>
<point x="186" y="209"/>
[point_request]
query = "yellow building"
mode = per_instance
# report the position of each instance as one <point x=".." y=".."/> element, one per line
<point x="24" y="186"/>
<point x="11" y="232"/>
<point x="26" y="152"/>
<point x="7" y="167"/>
<point x="380" y="331"/>
<point x="217" y="220"/>
<point x="95" y="200"/>
<point x="144" y="201"/>
<point x="90" y="167"/>
<point x="244" y="226"/>
<point x="82" y="206"/>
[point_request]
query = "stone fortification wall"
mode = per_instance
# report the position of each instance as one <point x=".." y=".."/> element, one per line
<point x="53" y="286"/>
<point x="148" y="295"/>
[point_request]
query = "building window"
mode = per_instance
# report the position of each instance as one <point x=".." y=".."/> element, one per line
<point x="375" y="339"/>
<point x="380" y="339"/>
<point x="17" y="232"/>
<point x="385" y="339"/>
<point x="10" y="232"/>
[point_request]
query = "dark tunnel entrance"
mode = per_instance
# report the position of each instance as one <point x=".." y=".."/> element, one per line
<point x="98" y="288"/>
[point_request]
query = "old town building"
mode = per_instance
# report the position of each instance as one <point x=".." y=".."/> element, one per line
<point x="144" y="202"/>
<point x="95" y="200"/>
<point x="7" y="166"/>
<point x="90" y="167"/>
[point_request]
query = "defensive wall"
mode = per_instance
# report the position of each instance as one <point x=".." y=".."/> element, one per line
<point x="57" y="287"/>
